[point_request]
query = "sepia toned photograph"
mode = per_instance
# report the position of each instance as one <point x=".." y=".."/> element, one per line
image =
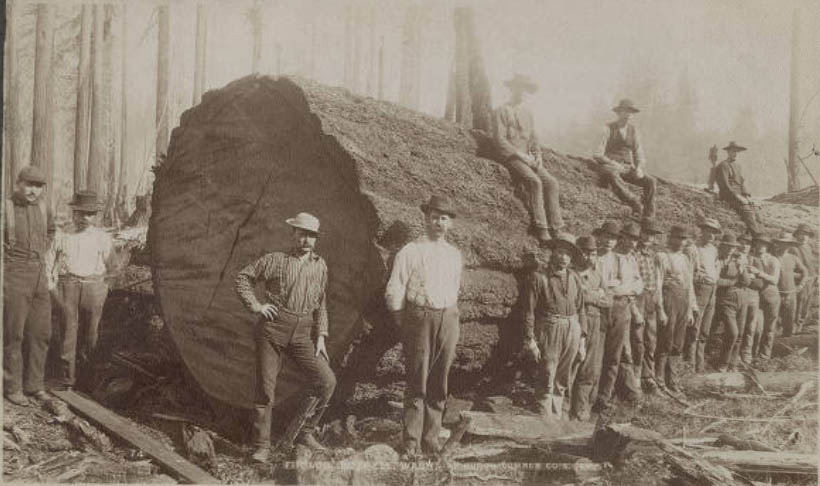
<point x="402" y="242"/>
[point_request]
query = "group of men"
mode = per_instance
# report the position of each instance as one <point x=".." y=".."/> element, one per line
<point x="43" y="264"/>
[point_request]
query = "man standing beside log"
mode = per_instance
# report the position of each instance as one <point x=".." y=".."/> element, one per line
<point x="596" y="303"/>
<point x="649" y="304"/>
<point x="82" y="257"/>
<point x="294" y="308"/>
<point x="27" y="241"/>
<point x="766" y="270"/>
<point x="555" y="325"/>
<point x="806" y="296"/>
<point x="422" y="295"/>
<point x="679" y="305"/>
<point x="518" y="149"/>
<point x="621" y="156"/>
<point x="705" y="258"/>
<point x="731" y="297"/>
<point x="788" y="284"/>
<point x="733" y="189"/>
<point x="622" y="278"/>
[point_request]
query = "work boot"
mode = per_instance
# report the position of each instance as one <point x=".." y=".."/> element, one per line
<point x="558" y="406"/>
<point x="40" y="395"/>
<point x="309" y="440"/>
<point x="650" y="387"/>
<point x="261" y="454"/>
<point x="544" y="407"/>
<point x="18" y="398"/>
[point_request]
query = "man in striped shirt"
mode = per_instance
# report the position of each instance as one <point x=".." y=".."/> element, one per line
<point x="705" y="266"/>
<point x="294" y="308"/>
<point x="649" y="304"/>
<point x="422" y="295"/>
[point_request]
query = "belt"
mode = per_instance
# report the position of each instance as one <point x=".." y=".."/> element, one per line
<point x="425" y="308"/>
<point x="559" y="318"/>
<point x="78" y="278"/>
<point x="623" y="297"/>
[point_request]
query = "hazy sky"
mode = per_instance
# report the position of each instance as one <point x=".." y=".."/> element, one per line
<point x="736" y="54"/>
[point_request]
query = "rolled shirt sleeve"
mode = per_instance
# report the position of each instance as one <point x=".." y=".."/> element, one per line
<point x="396" y="289"/>
<point x="529" y="300"/>
<point x="245" y="281"/>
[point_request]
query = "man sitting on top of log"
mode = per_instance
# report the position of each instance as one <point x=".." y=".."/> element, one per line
<point x="555" y="324"/>
<point x="518" y="149"/>
<point x="295" y="306"/>
<point x="422" y="295"/>
<point x="733" y="187"/>
<point x="621" y="156"/>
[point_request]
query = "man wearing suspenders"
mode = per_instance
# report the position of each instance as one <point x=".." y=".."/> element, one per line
<point x="29" y="232"/>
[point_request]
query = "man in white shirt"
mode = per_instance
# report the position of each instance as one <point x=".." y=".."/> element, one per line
<point x="82" y="255"/>
<point x="679" y="305"/>
<point x="706" y="273"/>
<point x="422" y="295"/>
<point x="620" y="154"/>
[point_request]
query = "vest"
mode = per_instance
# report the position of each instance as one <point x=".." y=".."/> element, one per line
<point x="11" y="232"/>
<point x="620" y="148"/>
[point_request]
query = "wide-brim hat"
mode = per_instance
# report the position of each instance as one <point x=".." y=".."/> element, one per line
<point x="586" y="243"/>
<point x="745" y="238"/>
<point x="626" y="105"/>
<point x="85" y="201"/>
<point x="305" y="221"/>
<point x="609" y="228"/>
<point x="761" y="238"/>
<point x="729" y="240"/>
<point x="710" y="224"/>
<point x="785" y="238"/>
<point x="522" y="81"/>
<point x="631" y="230"/>
<point x="733" y="147"/>
<point x="440" y="204"/>
<point x="804" y="228"/>
<point x="576" y="255"/>
<point x="33" y="174"/>
<point x="650" y="227"/>
<point x="679" y="231"/>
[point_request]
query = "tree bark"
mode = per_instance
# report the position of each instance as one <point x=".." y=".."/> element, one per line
<point x="473" y="104"/>
<point x="112" y="155"/>
<point x="201" y="49"/>
<point x="794" y="183"/>
<point x="123" y="206"/>
<point x="82" y="133"/>
<point x="763" y="462"/>
<point x="163" y="68"/>
<point x="12" y="103"/>
<point x="99" y="131"/>
<point x="42" y="143"/>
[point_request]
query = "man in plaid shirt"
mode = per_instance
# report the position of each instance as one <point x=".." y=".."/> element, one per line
<point x="648" y="303"/>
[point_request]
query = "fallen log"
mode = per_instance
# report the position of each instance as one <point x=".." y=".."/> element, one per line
<point x="784" y="346"/>
<point x="763" y="462"/>
<point x="777" y="381"/>
<point x="804" y="389"/>
<point x="693" y="469"/>
<point x="742" y="444"/>
<point x="528" y="429"/>
<point x="616" y="442"/>
<point x="260" y="149"/>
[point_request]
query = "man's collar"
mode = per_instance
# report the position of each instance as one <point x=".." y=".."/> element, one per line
<point x="295" y="253"/>
<point x="21" y="199"/>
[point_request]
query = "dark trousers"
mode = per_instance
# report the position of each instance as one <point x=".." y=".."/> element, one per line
<point x="671" y="335"/>
<point x="804" y="302"/>
<point x="288" y="335"/>
<point x="616" y="341"/>
<point x="747" y="214"/>
<point x="26" y="326"/>
<point x="733" y="311"/>
<point x="699" y="334"/>
<point x="617" y="179"/>
<point x="751" y="339"/>
<point x="542" y="193"/>
<point x="558" y="339"/>
<point x="429" y="338"/>
<point x="770" y="304"/>
<point x="589" y="370"/>
<point x="788" y="312"/>
<point x="82" y="302"/>
<point x="650" y="334"/>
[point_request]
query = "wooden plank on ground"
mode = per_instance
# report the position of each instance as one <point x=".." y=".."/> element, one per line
<point x="763" y="462"/>
<point x="529" y="428"/>
<point x="777" y="381"/>
<point x="118" y="426"/>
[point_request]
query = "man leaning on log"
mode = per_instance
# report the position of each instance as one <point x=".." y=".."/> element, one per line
<point x="422" y="295"/>
<point x="294" y="308"/>
<point x="518" y="149"/>
<point x="621" y="157"/>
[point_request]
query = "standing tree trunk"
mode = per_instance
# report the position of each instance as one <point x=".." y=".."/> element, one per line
<point x="473" y="105"/>
<point x="98" y="156"/>
<point x="42" y="136"/>
<point x="113" y="172"/>
<point x="82" y="132"/>
<point x="408" y="83"/>
<point x="794" y="107"/>
<point x="201" y="47"/>
<point x="255" y="19"/>
<point x="450" y="106"/>
<point x="163" y="68"/>
<point x="123" y="209"/>
<point x="12" y="94"/>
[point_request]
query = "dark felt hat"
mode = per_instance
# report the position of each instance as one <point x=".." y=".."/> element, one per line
<point x="440" y="204"/>
<point x="564" y="244"/>
<point x="804" y="228"/>
<point x="729" y="239"/>
<point x="586" y="243"/>
<point x="609" y="228"/>
<point x="710" y="224"/>
<point x="650" y="227"/>
<point x="33" y="174"/>
<point x="85" y="201"/>
<point x="631" y="230"/>
<point x="522" y="81"/>
<point x="626" y="105"/>
<point x="680" y="231"/>
<point x="733" y="147"/>
<point x="786" y="239"/>
<point x="761" y="238"/>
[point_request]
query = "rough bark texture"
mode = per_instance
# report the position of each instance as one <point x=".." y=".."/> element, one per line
<point x="42" y="144"/>
<point x="82" y="118"/>
<point x="99" y="131"/>
<point x="470" y="88"/>
<point x="163" y="69"/>
<point x="12" y="105"/>
<point x="260" y="150"/>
